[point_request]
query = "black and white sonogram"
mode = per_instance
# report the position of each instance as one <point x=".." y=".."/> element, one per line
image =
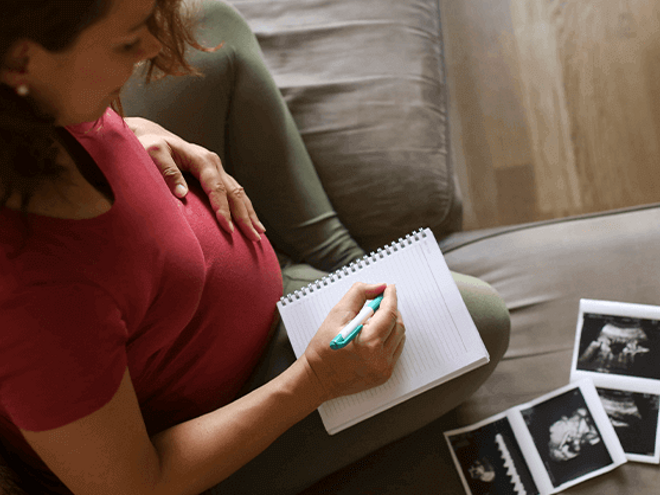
<point x="634" y="417"/>
<point x="491" y="461"/>
<point x="620" y="345"/>
<point x="566" y="437"/>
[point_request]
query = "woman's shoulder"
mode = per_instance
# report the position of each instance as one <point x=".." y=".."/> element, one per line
<point x="72" y="195"/>
<point x="69" y="196"/>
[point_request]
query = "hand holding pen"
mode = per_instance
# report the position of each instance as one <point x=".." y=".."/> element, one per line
<point x="350" y="331"/>
<point x="374" y="349"/>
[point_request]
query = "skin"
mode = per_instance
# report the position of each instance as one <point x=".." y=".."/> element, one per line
<point x="109" y="451"/>
<point x="78" y="85"/>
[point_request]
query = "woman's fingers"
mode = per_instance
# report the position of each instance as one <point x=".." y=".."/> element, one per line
<point x="383" y="322"/>
<point x="242" y="209"/>
<point x="370" y="358"/>
<point x="210" y="178"/>
<point x="173" y="155"/>
<point x="355" y="298"/>
<point x="227" y="197"/>
<point x="162" y="155"/>
<point x="396" y="336"/>
<point x="399" y="348"/>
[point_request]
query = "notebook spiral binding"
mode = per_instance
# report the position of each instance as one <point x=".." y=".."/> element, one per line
<point x="354" y="266"/>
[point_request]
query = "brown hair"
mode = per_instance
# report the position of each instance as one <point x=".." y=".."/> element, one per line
<point x="27" y="136"/>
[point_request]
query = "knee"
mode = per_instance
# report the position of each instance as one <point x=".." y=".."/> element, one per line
<point x="489" y="313"/>
<point x="224" y="23"/>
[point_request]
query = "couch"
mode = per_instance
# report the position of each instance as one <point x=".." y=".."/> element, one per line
<point x="365" y="83"/>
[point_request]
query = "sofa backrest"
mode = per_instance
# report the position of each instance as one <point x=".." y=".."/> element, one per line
<point x="365" y="82"/>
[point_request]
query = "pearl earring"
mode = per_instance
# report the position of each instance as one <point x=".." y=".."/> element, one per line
<point x="22" y="90"/>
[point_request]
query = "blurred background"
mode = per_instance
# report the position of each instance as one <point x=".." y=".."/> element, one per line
<point x="555" y="106"/>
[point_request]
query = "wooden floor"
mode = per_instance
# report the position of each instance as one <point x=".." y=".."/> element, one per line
<point x="555" y="106"/>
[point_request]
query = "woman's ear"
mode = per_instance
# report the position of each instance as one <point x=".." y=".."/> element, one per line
<point x="14" y="67"/>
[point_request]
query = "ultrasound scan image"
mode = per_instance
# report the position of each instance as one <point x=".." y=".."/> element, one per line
<point x="492" y="462"/>
<point x="566" y="437"/>
<point x="618" y="345"/>
<point x="634" y="417"/>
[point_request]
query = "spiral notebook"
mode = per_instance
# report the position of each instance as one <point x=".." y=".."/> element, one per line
<point x="442" y="341"/>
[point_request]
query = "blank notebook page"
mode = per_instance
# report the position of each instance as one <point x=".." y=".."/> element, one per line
<point x="441" y="339"/>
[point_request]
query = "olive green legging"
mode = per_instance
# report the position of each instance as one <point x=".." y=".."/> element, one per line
<point x="237" y="111"/>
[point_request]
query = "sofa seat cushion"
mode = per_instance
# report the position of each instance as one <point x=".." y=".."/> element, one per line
<point x="365" y="83"/>
<point x="542" y="270"/>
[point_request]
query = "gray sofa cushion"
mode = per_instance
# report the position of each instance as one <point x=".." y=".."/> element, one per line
<point x="365" y="84"/>
<point x="541" y="270"/>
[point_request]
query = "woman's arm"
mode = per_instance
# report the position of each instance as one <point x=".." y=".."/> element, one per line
<point x="109" y="451"/>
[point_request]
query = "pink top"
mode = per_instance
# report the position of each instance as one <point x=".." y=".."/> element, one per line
<point x="154" y="284"/>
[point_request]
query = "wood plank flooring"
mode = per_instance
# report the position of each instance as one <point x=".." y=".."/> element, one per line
<point x="555" y="106"/>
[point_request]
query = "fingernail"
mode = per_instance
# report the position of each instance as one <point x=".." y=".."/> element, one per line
<point x="231" y="226"/>
<point x="261" y="226"/>
<point x="180" y="190"/>
<point x="256" y="234"/>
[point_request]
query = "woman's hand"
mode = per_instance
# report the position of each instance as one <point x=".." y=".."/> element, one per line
<point x="370" y="358"/>
<point x="172" y="155"/>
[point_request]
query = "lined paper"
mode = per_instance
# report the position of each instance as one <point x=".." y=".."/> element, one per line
<point x="441" y="339"/>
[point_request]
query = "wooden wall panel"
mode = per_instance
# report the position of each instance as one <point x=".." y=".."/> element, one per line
<point x="544" y="100"/>
<point x="560" y="98"/>
<point x="605" y="47"/>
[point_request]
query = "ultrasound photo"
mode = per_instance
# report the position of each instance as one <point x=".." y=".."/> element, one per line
<point x="566" y="437"/>
<point x="491" y="461"/>
<point x="634" y="417"/>
<point x="620" y="345"/>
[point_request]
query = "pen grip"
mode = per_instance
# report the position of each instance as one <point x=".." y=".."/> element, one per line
<point x="361" y="317"/>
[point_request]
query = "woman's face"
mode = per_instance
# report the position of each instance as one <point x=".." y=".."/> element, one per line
<point x="77" y="85"/>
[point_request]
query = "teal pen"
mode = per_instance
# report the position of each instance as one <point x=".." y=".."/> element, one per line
<point x="350" y="331"/>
